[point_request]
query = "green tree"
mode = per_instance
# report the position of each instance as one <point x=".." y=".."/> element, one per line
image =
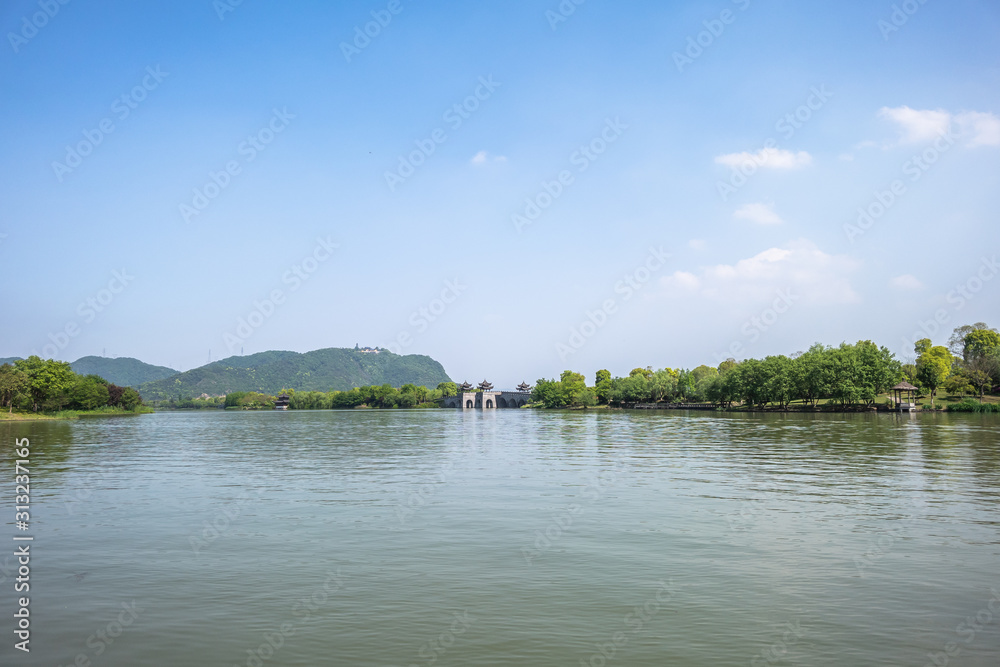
<point x="980" y="380"/>
<point x="633" y="389"/>
<point x="548" y="393"/>
<point x="14" y="383"/>
<point x="448" y="389"/>
<point x="47" y="378"/>
<point x="934" y="367"/>
<point x="130" y="399"/>
<point x="879" y="369"/>
<point x="980" y="344"/>
<point x="703" y="377"/>
<point x="88" y="393"/>
<point x="605" y="387"/>
<point x="956" y="344"/>
<point x="812" y="374"/>
<point x="661" y="385"/>
<point x="727" y="365"/>
<point x="778" y="380"/>
<point x="724" y="389"/>
<point x="959" y="383"/>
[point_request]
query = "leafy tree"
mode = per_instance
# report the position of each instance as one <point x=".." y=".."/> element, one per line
<point x="633" y="389"/>
<point x="959" y="383"/>
<point x="233" y="398"/>
<point x="751" y="382"/>
<point x="956" y="344"/>
<point x="879" y="369"/>
<point x="661" y="384"/>
<point x="573" y="390"/>
<point x="702" y="378"/>
<point x="646" y="372"/>
<point x="14" y="383"/>
<point x="980" y="380"/>
<point x="724" y="388"/>
<point x="88" y="393"/>
<point x="605" y="388"/>
<point x="922" y="346"/>
<point x="406" y="399"/>
<point x="980" y="344"/>
<point x="933" y="367"/>
<point x="812" y="374"/>
<point x="383" y="396"/>
<point x="585" y="398"/>
<point x="685" y="386"/>
<point x="548" y="393"/>
<point x="602" y="376"/>
<point x="47" y="379"/>
<point x="448" y="389"/>
<point x="253" y="400"/>
<point x="345" y="400"/>
<point x="779" y="381"/>
<point x="727" y="365"/>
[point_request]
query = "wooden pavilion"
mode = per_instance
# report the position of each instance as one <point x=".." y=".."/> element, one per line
<point x="909" y="405"/>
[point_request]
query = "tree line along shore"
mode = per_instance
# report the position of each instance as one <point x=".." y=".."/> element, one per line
<point x="963" y="375"/>
<point x="46" y="388"/>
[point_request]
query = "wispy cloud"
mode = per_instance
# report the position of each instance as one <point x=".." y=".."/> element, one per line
<point x="918" y="126"/>
<point x="762" y="214"/>
<point x="906" y="282"/>
<point x="818" y="277"/>
<point x="983" y="129"/>
<point x="768" y="158"/>
<point x="482" y="157"/>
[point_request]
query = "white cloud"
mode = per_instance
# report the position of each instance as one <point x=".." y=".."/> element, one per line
<point x="917" y="126"/>
<point x="907" y="282"/>
<point x="984" y="128"/>
<point x="762" y="214"/>
<point x="812" y="275"/>
<point x="768" y="158"/>
<point x="977" y="127"/>
<point x="482" y="157"/>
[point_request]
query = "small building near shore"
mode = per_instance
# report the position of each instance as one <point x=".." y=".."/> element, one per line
<point x="903" y="395"/>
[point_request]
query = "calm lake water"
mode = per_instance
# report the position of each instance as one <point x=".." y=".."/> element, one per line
<point x="513" y="537"/>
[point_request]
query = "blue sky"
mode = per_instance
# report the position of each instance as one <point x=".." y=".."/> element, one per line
<point x="582" y="208"/>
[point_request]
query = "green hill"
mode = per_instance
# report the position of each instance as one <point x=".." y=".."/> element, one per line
<point x="320" y="370"/>
<point x="8" y="360"/>
<point x="123" y="371"/>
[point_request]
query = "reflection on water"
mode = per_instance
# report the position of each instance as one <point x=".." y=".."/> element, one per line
<point x="444" y="537"/>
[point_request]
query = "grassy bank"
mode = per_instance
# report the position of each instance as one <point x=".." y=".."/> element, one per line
<point x="72" y="414"/>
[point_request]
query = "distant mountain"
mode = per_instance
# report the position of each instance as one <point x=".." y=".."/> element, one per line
<point x="123" y="371"/>
<point x="320" y="370"/>
<point x="8" y="360"/>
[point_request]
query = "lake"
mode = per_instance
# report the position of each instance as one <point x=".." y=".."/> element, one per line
<point x="398" y="538"/>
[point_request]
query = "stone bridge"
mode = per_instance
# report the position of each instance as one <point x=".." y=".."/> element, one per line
<point x="487" y="400"/>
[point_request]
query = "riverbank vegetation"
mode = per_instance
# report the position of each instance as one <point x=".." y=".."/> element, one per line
<point x="35" y="386"/>
<point x="383" y="396"/>
<point x="846" y="377"/>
